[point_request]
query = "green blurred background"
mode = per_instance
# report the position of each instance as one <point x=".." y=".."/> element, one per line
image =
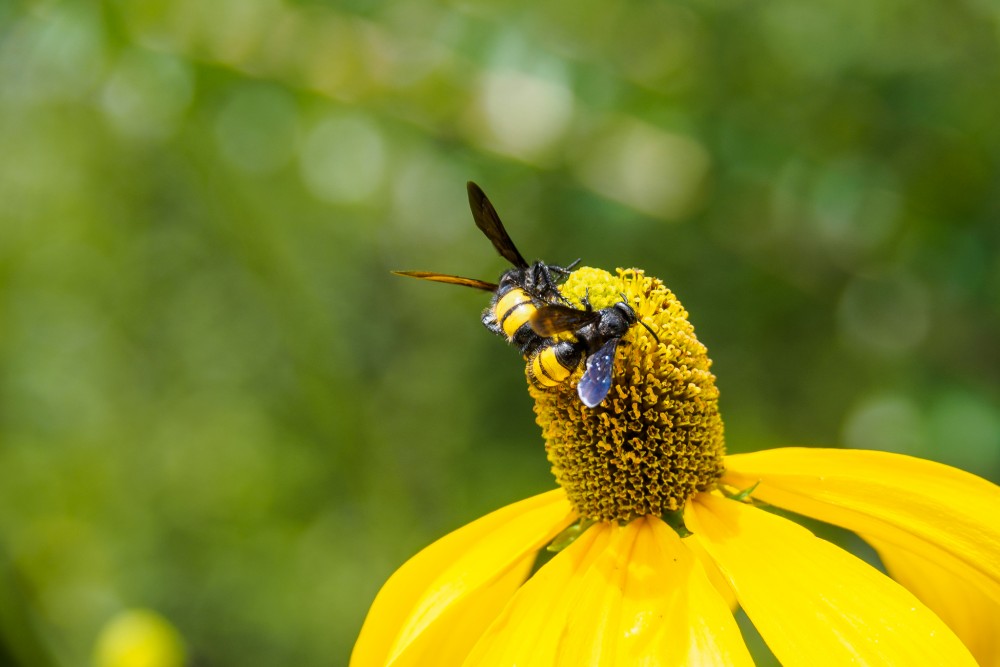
<point x="216" y="403"/>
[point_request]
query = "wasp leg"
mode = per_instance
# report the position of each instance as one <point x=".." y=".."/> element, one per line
<point x="489" y="320"/>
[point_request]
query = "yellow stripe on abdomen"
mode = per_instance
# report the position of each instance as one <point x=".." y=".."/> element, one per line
<point x="546" y="371"/>
<point x="513" y="311"/>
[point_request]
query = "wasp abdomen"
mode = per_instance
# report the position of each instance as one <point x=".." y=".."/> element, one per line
<point x="513" y="310"/>
<point x="554" y="363"/>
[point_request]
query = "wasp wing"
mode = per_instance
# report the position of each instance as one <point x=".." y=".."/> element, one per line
<point x="488" y="221"/>
<point x="445" y="278"/>
<point x="596" y="381"/>
<point x="553" y="318"/>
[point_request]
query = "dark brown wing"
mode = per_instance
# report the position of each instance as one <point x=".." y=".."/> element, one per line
<point x="489" y="223"/>
<point x="445" y="278"/>
<point x="553" y="319"/>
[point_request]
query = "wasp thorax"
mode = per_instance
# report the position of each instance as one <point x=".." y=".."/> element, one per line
<point x="656" y="439"/>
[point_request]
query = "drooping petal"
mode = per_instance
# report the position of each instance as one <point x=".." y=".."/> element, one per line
<point x="718" y="579"/>
<point x="528" y="629"/>
<point x="618" y="596"/>
<point x="968" y="611"/>
<point x="946" y="515"/>
<point x="812" y="602"/>
<point x="465" y="577"/>
<point x="448" y="641"/>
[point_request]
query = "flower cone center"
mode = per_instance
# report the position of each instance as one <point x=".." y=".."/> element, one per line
<point x="657" y="439"/>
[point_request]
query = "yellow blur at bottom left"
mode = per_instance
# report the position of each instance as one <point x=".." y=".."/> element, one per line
<point x="139" y="638"/>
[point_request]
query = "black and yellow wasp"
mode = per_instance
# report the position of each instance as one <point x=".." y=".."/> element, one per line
<point x="596" y="336"/>
<point x="528" y="310"/>
<point x="521" y="290"/>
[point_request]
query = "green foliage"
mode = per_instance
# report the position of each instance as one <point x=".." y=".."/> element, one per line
<point x="215" y="402"/>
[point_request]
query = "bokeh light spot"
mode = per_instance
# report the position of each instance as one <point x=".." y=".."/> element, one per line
<point x="343" y="159"/>
<point x="57" y="54"/>
<point x="524" y="115"/>
<point x="424" y="193"/>
<point x="657" y="172"/>
<point x="966" y="431"/>
<point x="147" y="93"/>
<point x="886" y="314"/>
<point x="855" y="206"/>
<point x="889" y="422"/>
<point x="139" y="638"/>
<point x="256" y="129"/>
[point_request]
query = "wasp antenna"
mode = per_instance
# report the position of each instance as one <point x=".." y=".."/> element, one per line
<point x="565" y="270"/>
<point x="650" y="330"/>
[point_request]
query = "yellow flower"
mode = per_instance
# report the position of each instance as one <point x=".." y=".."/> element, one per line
<point x="671" y="534"/>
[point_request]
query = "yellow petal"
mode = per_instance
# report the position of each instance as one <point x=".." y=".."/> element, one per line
<point x="456" y="630"/>
<point x="718" y="580"/>
<point x="466" y="575"/>
<point x="812" y="602"/>
<point x="632" y="595"/>
<point x="971" y="614"/>
<point x="945" y="515"/>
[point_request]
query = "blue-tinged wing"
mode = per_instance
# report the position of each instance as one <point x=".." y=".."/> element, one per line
<point x="596" y="380"/>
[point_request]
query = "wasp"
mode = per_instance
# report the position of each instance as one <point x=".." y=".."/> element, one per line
<point x="521" y="290"/>
<point x="596" y="336"/>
